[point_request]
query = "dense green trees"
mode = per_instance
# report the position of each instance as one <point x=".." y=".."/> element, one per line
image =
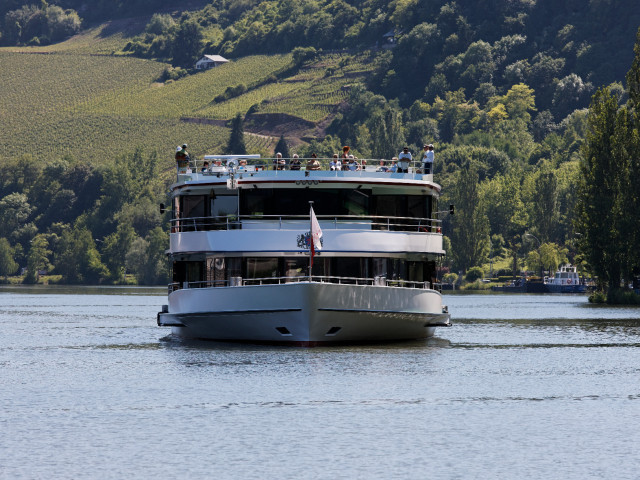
<point x="38" y="25"/>
<point x="608" y="196"/>
<point x="8" y="265"/>
<point x="440" y="46"/>
<point x="83" y="223"/>
<point x="500" y="88"/>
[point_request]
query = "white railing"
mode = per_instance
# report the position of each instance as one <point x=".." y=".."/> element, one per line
<point x="253" y="165"/>
<point x="239" y="282"/>
<point x="293" y="222"/>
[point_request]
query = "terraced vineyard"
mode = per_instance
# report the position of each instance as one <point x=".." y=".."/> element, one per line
<point x="72" y="99"/>
<point x="186" y="96"/>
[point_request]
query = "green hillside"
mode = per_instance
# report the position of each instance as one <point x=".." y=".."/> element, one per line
<point x="93" y="107"/>
<point x="502" y="89"/>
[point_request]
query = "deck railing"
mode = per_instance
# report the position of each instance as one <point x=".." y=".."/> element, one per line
<point x="294" y="222"/>
<point x="239" y="282"/>
<point x="253" y="165"/>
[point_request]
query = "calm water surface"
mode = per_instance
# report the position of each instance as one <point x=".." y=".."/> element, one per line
<point x="522" y="386"/>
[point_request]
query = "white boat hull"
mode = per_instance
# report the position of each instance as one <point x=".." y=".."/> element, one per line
<point x="305" y="313"/>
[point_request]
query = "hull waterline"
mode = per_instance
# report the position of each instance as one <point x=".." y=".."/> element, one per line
<point x="315" y="313"/>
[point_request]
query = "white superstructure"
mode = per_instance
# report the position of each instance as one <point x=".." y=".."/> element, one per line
<point x="241" y="256"/>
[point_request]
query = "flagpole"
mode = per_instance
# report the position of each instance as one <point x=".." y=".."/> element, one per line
<point x="310" y="238"/>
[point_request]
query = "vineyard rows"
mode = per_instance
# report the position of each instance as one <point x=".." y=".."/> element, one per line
<point x="94" y="107"/>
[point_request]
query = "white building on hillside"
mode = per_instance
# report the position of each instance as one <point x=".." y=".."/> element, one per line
<point x="210" y="61"/>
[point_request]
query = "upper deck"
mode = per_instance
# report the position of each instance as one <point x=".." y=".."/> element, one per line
<point x="253" y="172"/>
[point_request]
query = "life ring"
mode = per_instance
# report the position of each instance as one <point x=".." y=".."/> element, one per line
<point x="569" y="281"/>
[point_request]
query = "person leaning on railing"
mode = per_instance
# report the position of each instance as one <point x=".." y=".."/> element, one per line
<point x="335" y="163"/>
<point x="404" y="159"/>
<point x="295" y="162"/>
<point x="313" y="163"/>
<point x="278" y="162"/>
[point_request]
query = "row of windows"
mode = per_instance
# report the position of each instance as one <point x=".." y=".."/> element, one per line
<point x="332" y="202"/>
<point x="216" y="270"/>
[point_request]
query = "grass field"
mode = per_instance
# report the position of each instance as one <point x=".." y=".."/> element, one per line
<point x="77" y="98"/>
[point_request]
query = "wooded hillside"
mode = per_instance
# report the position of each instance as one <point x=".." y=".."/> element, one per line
<point x="499" y="87"/>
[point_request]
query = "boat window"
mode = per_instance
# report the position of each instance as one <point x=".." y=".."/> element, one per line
<point x="224" y="205"/>
<point x="295" y="267"/>
<point x="352" y="267"/>
<point x="416" y="271"/>
<point x="234" y="267"/>
<point x="188" y="272"/>
<point x="397" y="269"/>
<point x="262" y="267"/>
<point x="193" y="206"/>
<point x="418" y="206"/>
<point x="338" y="202"/>
<point x="379" y="267"/>
<point x="216" y="270"/>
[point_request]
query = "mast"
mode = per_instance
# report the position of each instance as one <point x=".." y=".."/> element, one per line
<point x="310" y="238"/>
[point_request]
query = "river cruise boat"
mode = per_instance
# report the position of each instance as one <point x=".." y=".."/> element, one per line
<point x="267" y="253"/>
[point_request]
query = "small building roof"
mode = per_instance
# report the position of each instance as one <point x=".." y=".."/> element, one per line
<point x="215" y="58"/>
<point x="392" y="33"/>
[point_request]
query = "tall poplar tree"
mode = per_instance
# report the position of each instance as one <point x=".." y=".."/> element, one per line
<point x="598" y="198"/>
<point x="283" y="148"/>
<point x="236" y="139"/>
<point x="608" y="196"/>
<point x="470" y="234"/>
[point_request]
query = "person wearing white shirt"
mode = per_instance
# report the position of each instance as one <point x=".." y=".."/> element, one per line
<point x="404" y="159"/>
<point x="427" y="159"/>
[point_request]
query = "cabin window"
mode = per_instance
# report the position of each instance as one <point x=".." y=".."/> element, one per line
<point x="296" y="267"/>
<point x="262" y="267"/>
<point x="193" y="206"/>
<point x="283" y="202"/>
<point x="190" y="272"/>
<point x="216" y="271"/>
<point x="352" y="267"/>
<point x="391" y="206"/>
<point x="397" y="269"/>
<point x="416" y="271"/>
<point x="379" y="267"/>
<point x="223" y="205"/>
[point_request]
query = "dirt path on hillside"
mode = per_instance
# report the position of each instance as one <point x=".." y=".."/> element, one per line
<point x="272" y="125"/>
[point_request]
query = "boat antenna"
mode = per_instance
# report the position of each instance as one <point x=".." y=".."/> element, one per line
<point x="310" y="238"/>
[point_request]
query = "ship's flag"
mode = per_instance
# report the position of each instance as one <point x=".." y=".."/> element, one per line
<point x="316" y="235"/>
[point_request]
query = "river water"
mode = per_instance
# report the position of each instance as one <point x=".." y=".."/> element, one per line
<point x="522" y="386"/>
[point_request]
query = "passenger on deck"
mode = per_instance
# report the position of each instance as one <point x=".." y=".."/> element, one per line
<point x="205" y="167"/>
<point x="394" y="165"/>
<point x="335" y="163"/>
<point x="382" y="167"/>
<point x="242" y="165"/>
<point x="404" y="159"/>
<point x="182" y="158"/>
<point x="295" y="162"/>
<point x="345" y="158"/>
<point x="353" y="163"/>
<point x="427" y="159"/>
<point x="278" y="162"/>
<point x="313" y="163"/>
